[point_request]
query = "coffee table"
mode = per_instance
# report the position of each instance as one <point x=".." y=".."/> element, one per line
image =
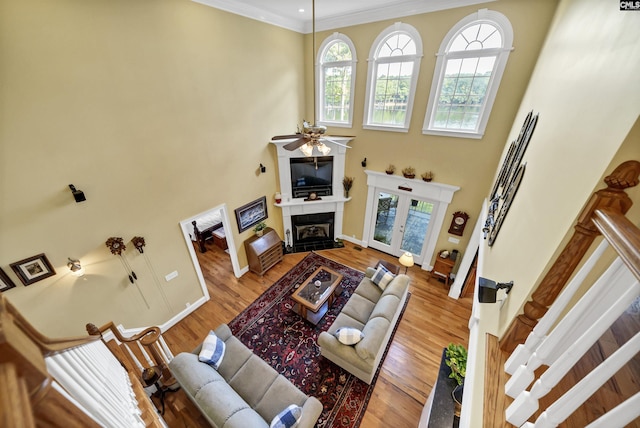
<point x="316" y="294"/>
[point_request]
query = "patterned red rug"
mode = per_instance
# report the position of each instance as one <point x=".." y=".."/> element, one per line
<point x="289" y="344"/>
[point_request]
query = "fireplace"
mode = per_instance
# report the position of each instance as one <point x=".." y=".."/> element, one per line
<point x="313" y="231"/>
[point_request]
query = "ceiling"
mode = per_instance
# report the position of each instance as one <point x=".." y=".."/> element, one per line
<point x="331" y="14"/>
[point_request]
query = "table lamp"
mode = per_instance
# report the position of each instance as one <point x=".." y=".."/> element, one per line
<point x="406" y="260"/>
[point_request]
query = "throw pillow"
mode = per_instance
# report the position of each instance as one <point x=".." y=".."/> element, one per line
<point x="288" y="418"/>
<point x="349" y="335"/>
<point x="382" y="277"/>
<point x="212" y="350"/>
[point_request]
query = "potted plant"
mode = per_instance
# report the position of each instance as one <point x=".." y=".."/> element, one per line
<point x="409" y="172"/>
<point x="427" y="176"/>
<point x="390" y="169"/>
<point x="456" y="359"/>
<point x="347" y="182"/>
<point x="259" y="228"/>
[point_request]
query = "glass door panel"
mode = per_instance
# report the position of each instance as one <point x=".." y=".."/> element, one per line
<point x="386" y="211"/>
<point x="415" y="227"/>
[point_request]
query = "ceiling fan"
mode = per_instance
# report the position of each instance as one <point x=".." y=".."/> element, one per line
<point x="311" y="135"/>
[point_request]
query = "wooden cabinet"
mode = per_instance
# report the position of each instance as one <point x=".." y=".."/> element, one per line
<point x="263" y="251"/>
<point x="442" y="268"/>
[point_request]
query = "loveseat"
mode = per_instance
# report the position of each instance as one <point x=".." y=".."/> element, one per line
<point x="374" y="313"/>
<point x="244" y="392"/>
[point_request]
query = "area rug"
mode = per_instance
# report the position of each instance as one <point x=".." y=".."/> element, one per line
<point x="288" y="343"/>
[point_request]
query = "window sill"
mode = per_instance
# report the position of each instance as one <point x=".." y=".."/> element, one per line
<point x="385" y="128"/>
<point x="455" y="134"/>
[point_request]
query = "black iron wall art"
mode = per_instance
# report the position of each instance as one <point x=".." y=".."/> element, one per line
<point x="508" y="180"/>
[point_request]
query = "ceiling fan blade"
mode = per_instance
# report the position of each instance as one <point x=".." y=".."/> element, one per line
<point x="287" y="137"/>
<point x="334" y="141"/>
<point x="295" y="144"/>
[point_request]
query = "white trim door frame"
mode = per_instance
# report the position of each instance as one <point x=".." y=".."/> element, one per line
<point x="438" y="194"/>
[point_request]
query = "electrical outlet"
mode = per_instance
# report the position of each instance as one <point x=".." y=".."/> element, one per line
<point x="454" y="240"/>
<point x="171" y="275"/>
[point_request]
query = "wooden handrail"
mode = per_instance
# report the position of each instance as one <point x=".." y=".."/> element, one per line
<point x="622" y="235"/>
<point x="149" y="338"/>
<point x="612" y="203"/>
<point x="46" y="345"/>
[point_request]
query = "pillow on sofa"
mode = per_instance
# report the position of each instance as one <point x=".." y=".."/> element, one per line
<point x="348" y="335"/>
<point x="212" y="350"/>
<point x="288" y="418"/>
<point x="382" y="277"/>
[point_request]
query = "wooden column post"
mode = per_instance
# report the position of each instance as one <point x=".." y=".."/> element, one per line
<point x="613" y="197"/>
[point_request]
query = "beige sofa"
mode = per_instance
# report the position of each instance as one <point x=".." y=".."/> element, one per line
<point x="244" y="392"/>
<point x="375" y="313"/>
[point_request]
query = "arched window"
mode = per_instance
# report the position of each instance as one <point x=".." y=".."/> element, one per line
<point x="469" y="67"/>
<point x="394" y="64"/>
<point x="337" y="71"/>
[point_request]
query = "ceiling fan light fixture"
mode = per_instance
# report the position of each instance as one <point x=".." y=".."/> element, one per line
<point x="324" y="149"/>
<point x="307" y="149"/>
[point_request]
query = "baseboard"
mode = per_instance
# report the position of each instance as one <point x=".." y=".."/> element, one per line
<point x="353" y="240"/>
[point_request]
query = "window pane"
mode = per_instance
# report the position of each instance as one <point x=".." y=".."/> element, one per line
<point x="397" y="45"/>
<point x="475" y="37"/>
<point x="385" y="217"/>
<point x="393" y="82"/>
<point x="338" y="51"/>
<point x="463" y="92"/>
<point x="337" y="92"/>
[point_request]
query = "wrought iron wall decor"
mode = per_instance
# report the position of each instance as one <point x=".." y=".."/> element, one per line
<point x="508" y="180"/>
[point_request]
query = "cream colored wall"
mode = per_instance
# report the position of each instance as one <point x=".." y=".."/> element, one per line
<point x="586" y="90"/>
<point x="468" y="163"/>
<point x="157" y="110"/>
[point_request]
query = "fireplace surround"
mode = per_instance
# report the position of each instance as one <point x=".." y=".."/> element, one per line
<point x="330" y="202"/>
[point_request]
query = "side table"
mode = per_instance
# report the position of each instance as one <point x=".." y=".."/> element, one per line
<point x="442" y="268"/>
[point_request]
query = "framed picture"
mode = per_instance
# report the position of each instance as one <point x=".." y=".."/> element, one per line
<point x="5" y="281"/>
<point x="33" y="269"/>
<point x="251" y="213"/>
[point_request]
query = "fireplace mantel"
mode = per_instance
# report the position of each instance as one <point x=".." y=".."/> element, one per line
<point x="298" y="206"/>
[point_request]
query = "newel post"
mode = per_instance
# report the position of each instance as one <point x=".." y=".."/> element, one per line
<point x="613" y="197"/>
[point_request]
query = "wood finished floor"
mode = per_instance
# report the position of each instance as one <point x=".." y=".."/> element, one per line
<point x="431" y="321"/>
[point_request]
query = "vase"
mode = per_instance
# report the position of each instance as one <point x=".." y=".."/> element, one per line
<point x="259" y="233"/>
<point x="409" y="175"/>
<point x="346" y="193"/>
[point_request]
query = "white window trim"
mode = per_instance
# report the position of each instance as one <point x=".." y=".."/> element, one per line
<point x="373" y="61"/>
<point x="320" y="83"/>
<point x="504" y="26"/>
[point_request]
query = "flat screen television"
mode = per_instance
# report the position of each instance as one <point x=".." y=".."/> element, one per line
<point x="313" y="174"/>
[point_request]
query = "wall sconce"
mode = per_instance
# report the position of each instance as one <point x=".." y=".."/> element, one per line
<point x="263" y="169"/>
<point x="77" y="194"/>
<point x="406" y="260"/>
<point x="364" y="163"/>
<point x="75" y="267"/>
<point x="488" y="289"/>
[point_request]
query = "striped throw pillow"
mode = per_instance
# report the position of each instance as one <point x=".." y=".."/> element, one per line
<point x="349" y="335"/>
<point x="382" y="277"/>
<point x="212" y="350"/>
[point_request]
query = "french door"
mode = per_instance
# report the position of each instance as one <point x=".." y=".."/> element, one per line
<point x="400" y="223"/>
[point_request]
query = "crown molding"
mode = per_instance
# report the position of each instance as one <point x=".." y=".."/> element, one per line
<point x="392" y="11"/>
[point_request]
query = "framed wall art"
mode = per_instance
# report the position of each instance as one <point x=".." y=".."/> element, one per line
<point x="33" y="269"/>
<point x="251" y="213"/>
<point x="5" y="281"/>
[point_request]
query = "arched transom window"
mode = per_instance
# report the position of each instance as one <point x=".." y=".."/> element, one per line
<point x="470" y="63"/>
<point x="394" y="64"/>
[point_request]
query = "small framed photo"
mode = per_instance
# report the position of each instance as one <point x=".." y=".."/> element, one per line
<point x="33" y="269"/>
<point x="5" y="281"/>
<point x="251" y="213"/>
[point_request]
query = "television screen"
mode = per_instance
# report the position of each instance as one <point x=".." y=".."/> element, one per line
<point x="311" y="175"/>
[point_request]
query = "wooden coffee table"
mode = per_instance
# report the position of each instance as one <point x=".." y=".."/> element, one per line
<point x="316" y="294"/>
